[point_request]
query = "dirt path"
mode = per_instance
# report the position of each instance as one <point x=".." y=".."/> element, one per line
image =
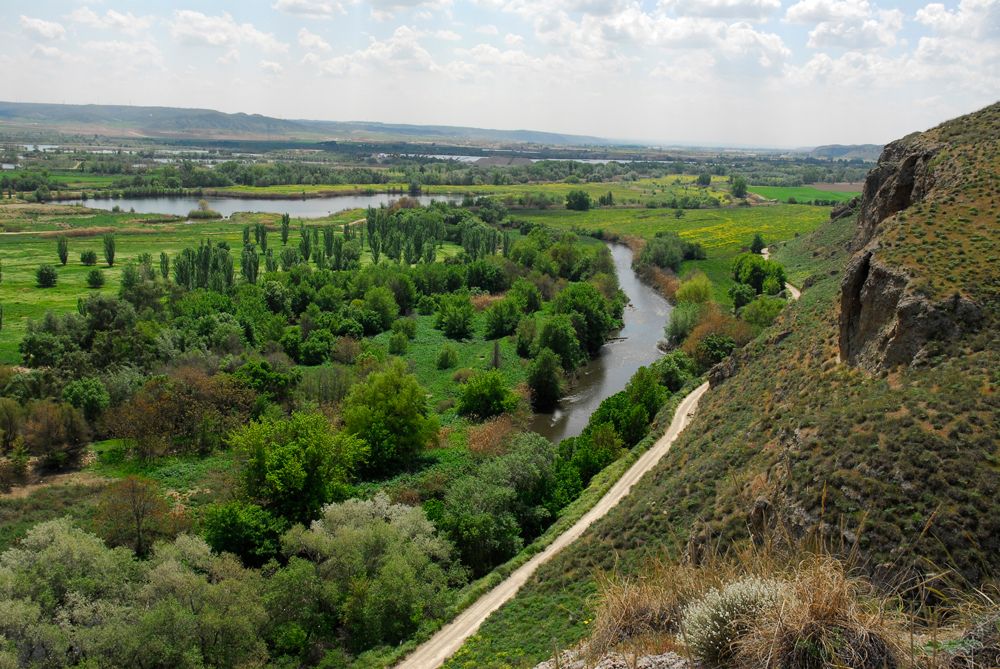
<point x="792" y="290"/>
<point x="450" y="638"/>
<point x="69" y="478"/>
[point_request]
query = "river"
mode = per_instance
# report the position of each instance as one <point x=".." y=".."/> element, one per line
<point x="227" y="206"/>
<point x="605" y="375"/>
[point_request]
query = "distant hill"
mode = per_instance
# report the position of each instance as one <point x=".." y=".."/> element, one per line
<point x="866" y="152"/>
<point x="180" y="123"/>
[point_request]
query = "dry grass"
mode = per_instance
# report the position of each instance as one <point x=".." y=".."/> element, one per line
<point x="483" y="301"/>
<point x="828" y="617"/>
<point x="492" y="437"/>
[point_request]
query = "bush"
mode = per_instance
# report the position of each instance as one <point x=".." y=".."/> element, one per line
<point x="578" y="200"/>
<point x="244" y="529"/>
<point x="712" y="349"/>
<point x="741" y="294"/>
<point x="674" y="370"/>
<point x="762" y="311"/>
<point x="455" y="316"/>
<point x="697" y="290"/>
<point x="397" y="343"/>
<point x="683" y="319"/>
<point x="88" y="395"/>
<point x="88" y="258"/>
<point x="95" y="278"/>
<point x="502" y="318"/>
<point x="448" y="357"/>
<point x="46" y="276"/>
<point x="485" y="395"/>
<point x="713" y="624"/>
<point x="406" y="326"/>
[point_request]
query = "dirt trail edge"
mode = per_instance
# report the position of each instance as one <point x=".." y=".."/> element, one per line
<point x="792" y="290"/>
<point x="448" y="639"/>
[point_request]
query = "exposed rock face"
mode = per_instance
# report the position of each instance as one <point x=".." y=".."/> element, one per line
<point x="902" y="177"/>
<point x="884" y="320"/>
<point x="883" y="323"/>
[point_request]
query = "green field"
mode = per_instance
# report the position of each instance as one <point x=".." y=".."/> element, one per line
<point x="723" y="233"/>
<point x="801" y="194"/>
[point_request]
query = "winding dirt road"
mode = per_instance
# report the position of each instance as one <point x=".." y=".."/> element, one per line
<point x="792" y="290"/>
<point x="450" y="638"/>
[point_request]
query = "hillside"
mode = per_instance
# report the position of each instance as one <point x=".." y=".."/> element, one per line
<point x="868" y="152"/>
<point x="179" y="123"/>
<point x="873" y="426"/>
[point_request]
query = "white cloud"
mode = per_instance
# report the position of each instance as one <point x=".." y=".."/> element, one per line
<point x="47" y="51"/>
<point x="127" y="23"/>
<point x="401" y="51"/>
<point x="193" y="27"/>
<point x="313" y="9"/>
<point x="488" y="29"/>
<point x="230" y="57"/>
<point x="972" y="18"/>
<point x="311" y="41"/>
<point x="447" y="35"/>
<point x="513" y="40"/>
<point x="730" y="9"/>
<point x="271" y="67"/>
<point x="846" y="24"/>
<point x="129" y="55"/>
<point x="42" y="29"/>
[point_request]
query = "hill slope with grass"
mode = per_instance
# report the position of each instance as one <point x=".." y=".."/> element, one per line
<point x="891" y="455"/>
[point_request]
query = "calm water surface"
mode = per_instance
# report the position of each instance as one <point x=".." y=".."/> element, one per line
<point x="227" y="206"/>
<point x="644" y="318"/>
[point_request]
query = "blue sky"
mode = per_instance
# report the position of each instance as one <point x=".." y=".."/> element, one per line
<point x="735" y="72"/>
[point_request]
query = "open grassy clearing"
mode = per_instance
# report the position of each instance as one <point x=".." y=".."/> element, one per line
<point x="802" y="194"/>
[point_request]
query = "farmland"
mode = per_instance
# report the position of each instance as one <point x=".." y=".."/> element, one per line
<point x="802" y="194"/>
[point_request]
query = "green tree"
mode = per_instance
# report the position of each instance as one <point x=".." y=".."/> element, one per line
<point x="286" y="224"/>
<point x="447" y="357"/>
<point x="502" y="318"/>
<point x="557" y="334"/>
<point x="704" y="179"/>
<point x="109" y="249"/>
<point x="62" y="248"/>
<point x="485" y="395"/>
<point x="761" y="312"/>
<point x="88" y="395"/>
<point x="741" y="294"/>
<point x="293" y="466"/>
<point x="389" y="412"/>
<point x="757" y="245"/>
<point x="88" y="258"/>
<point x="739" y="187"/>
<point x="381" y="301"/>
<point x="590" y="313"/>
<point x="46" y="276"/>
<point x="164" y="266"/>
<point x="243" y="529"/>
<point x="697" y="289"/>
<point x="578" y="200"/>
<point x="455" y="316"/>
<point x="545" y="378"/>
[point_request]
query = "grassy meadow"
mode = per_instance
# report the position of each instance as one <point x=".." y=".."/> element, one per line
<point x="801" y="194"/>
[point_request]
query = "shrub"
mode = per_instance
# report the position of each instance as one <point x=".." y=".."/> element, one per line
<point x="46" y="276"/>
<point x="88" y="258"/>
<point x="88" y="395"/>
<point x="502" y="318"/>
<point x="447" y="357"/>
<point x="697" y="290"/>
<point x="674" y="369"/>
<point x="406" y="326"/>
<point x="826" y="619"/>
<point x="758" y="245"/>
<point x="455" y="316"/>
<point x="713" y="624"/>
<point x="397" y="343"/>
<point x="762" y="311"/>
<point x="578" y="200"/>
<point x="741" y="294"/>
<point x="244" y="529"/>
<point x="683" y="319"/>
<point x="95" y="278"/>
<point x="490" y="438"/>
<point x="712" y="349"/>
<point x="485" y="395"/>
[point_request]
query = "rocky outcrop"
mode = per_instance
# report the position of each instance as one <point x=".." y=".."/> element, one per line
<point x="885" y="323"/>
<point x="901" y="177"/>
<point x="884" y="320"/>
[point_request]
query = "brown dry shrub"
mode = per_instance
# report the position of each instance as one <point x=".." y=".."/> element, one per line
<point x="345" y="350"/>
<point x="827" y="619"/>
<point x="715" y="321"/>
<point x="633" y="608"/>
<point x="492" y="437"/>
<point x="407" y="495"/>
<point x="663" y="281"/>
<point x="483" y="301"/>
<point x="77" y="232"/>
<point x="462" y="375"/>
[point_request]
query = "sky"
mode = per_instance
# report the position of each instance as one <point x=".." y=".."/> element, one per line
<point x="781" y="73"/>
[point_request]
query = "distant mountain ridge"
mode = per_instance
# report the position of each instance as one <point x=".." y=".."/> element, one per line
<point x="867" y="152"/>
<point x="184" y="123"/>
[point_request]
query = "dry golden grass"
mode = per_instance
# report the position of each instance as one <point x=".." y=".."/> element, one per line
<point x="492" y="437"/>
